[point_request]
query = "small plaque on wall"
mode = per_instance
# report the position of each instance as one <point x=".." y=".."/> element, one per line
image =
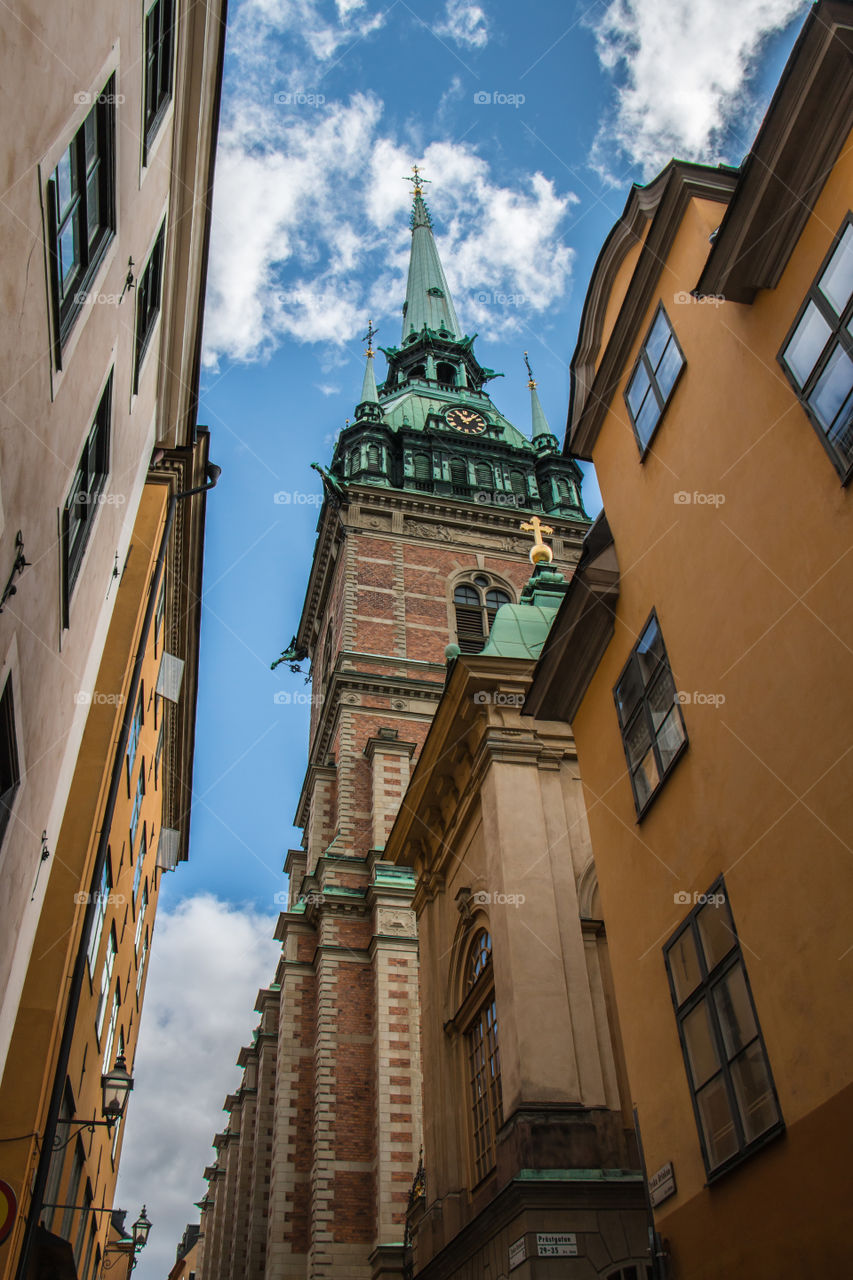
<point x="557" y="1244"/>
<point x="517" y="1253"/>
<point x="662" y="1184"/>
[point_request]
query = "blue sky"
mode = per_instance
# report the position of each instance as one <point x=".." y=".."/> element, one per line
<point x="531" y="121"/>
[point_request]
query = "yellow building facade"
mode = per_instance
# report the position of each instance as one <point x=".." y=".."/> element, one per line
<point x="127" y="823"/>
<point x="699" y="656"/>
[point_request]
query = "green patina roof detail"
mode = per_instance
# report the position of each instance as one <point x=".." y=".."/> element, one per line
<point x="520" y="630"/>
<point x="368" y="386"/>
<point x="428" y="302"/>
<point x="540" y="422"/>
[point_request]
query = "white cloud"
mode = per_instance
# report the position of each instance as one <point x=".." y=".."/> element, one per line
<point x="310" y="230"/>
<point x="683" y="77"/>
<point x="208" y="960"/>
<point x="465" y="23"/>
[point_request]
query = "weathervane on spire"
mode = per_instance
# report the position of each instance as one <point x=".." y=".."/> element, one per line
<point x="418" y="180"/>
<point x="531" y="381"/>
<point x="368" y="338"/>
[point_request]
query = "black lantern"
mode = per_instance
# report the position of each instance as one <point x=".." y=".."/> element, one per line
<point x="115" y="1087"/>
<point x="141" y="1227"/>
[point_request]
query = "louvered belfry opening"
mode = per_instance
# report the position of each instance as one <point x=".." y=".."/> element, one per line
<point x="475" y="613"/>
<point x="470" y="635"/>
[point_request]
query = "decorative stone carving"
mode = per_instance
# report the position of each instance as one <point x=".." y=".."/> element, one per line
<point x="395" y="920"/>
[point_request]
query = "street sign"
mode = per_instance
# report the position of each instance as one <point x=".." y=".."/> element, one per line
<point x="517" y="1253"/>
<point x="556" y="1244"/>
<point x="662" y="1184"/>
<point x="8" y="1209"/>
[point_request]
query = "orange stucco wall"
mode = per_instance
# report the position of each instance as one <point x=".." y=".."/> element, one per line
<point x="736" y="528"/>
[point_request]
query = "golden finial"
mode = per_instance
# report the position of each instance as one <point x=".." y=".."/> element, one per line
<point x="539" y="553"/>
<point x="418" y="180"/>
<point x="531" y="381"/>
<point x="368" y="337"/>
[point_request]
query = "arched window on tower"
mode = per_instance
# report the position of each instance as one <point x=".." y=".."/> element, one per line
<point x="565" y="491"/>
<point x="446" y="373"/>
<point x="419" y="371"/>
<point x="459" y="475"/>
<point x="422" y="470"/>
<point x="484" y="476"/>
<point x="519" y="485"/>
<point x="482" y="1055"/>
<point x="374" y="457"/>
<point x="475" y="605"/>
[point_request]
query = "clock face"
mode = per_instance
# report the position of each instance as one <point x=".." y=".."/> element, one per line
<point x="467" y="420"/>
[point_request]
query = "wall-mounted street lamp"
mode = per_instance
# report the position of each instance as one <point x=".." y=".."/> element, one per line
<point x="115" y="1089"/>
<point x="139" y="1239"/>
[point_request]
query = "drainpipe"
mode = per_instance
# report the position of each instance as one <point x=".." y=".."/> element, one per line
<point x="40" y="1181"/>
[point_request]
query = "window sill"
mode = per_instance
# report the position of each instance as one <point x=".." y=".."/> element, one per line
<point x="736" y="1161"/>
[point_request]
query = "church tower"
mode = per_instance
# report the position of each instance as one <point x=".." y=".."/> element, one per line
<point x="418" y="545"/>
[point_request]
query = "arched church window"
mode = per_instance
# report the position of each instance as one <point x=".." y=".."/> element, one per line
<point x="483" y="473"/>
<point x="519" y="484"/>
<point x="422" y="466"/>
<point x="483" y="1056"/>
<point x="475" y="612"/>
<point x="419" y="371"/>
<point x="445" y="372"/>
<point x="374" y="457"/>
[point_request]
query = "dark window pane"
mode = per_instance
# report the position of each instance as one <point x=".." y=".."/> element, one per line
<point x="629" y="691"/>
<point x="716" y="930"/>
<point x="721" y="1139"/>
<point x="734" y="1011"/>
<point x="669" y="738"/>
<point x="836" y="283"/>
<point x="638" y="739"/>
<point x="494" y="599"/>
<point x="69" y="252"/>
<point x="638" y="388"/>
<point x="756" y="1104"/>
<point x="661" y="697"/>
<point x="684" y="965"/>
<point x="649" y="650"/>
<point x="647" y="419"/>
<point x="833" y="388"/>
<point x="808" y="341"/>
<point x="466" y="595"/>
<point x="93" y="203"/>
<point x="646" y="778"/>
<point x="699" y="1042"/>
<point x="657" y="340"/>
<point x="90" y="139"/>
<point x="66" y="181"/>
<point x="668" y="369"/>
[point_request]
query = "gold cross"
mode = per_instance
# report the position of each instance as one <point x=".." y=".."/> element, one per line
<point x="539" y="551"/>
<point x="418" y="180"/>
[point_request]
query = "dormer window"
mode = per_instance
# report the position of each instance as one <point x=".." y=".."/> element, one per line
<point x="374" y="457"/>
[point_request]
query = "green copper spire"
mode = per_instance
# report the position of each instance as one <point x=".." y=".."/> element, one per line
<point x="540" y="422"/>
<point x="428" y="303"/>
<point x="368" y="386"/>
